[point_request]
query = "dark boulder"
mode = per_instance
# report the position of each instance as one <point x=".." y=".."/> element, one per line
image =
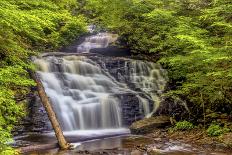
<point x="147" y="125"/>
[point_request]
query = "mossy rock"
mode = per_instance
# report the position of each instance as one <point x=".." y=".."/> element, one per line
<point x="147" y="125"/>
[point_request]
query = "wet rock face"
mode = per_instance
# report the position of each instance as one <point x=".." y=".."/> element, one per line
<point x="115" y="66"/>
<point x="38" y="117"/>
<point x="130" y="108"/>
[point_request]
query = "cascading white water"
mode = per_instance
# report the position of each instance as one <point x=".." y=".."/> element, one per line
<point x="100" y="40"/>
<point x="80" y="93"/>
<point x="150" y="78"/>
<point x="83" y="94"/>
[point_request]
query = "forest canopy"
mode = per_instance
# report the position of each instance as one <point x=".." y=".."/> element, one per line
<point x="193" y="39"/>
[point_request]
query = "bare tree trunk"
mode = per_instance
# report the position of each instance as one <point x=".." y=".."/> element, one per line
<point x="51" y="114"/>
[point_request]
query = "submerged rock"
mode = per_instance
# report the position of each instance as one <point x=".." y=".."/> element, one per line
<point x="147" y="125"/>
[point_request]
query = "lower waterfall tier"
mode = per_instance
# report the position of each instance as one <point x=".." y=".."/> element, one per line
<point x="96" y="92"/>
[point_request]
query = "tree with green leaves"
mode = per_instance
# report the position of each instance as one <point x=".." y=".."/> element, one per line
<point x="28" y="27"/>
<point x="192" y="38"/>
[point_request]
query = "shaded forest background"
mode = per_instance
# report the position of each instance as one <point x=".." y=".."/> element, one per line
<point x="191" y="38"/>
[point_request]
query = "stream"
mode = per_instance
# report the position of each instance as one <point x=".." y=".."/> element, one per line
<point x="96" y="98"/>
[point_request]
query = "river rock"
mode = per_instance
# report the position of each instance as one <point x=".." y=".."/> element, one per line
<point x="147" y="125"/>
<point x="175" y="110"/>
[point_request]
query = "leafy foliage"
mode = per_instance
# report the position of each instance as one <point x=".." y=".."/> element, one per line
<point x="216" y="130"/>
<point x="183" y="125"/>
<point x="28" y="27"/>
<point x="192" y="38"/>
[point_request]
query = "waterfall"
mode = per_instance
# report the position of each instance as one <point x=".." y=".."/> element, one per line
<point x="150" y="78"/>
<point x="81" y="94"/>
<point x="85" y="90"/>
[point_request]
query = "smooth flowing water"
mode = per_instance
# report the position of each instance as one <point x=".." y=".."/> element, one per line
<point x="100" y="40"/>
<point x="83" y="94"/>
<point x="80" y="93"/>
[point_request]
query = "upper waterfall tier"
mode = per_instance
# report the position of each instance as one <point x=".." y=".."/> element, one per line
<point x="101" y="40"/>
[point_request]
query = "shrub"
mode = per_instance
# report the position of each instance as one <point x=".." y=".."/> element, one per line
<point x="183" y="125"/>
<point x="216" y="130"/>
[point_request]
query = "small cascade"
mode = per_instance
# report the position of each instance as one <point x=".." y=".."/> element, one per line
<point x="144" y="105"/>
<point x="100" y="40"/>
<point x="149" y="78"/>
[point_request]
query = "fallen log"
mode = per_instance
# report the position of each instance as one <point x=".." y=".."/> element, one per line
<point x="63" y="144"/>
